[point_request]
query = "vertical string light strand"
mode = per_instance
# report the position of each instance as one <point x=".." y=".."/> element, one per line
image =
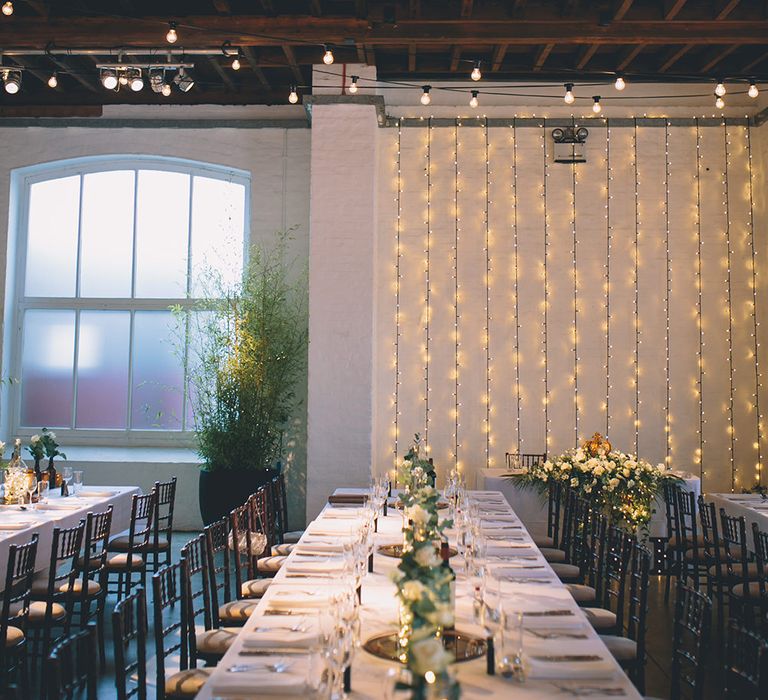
<point x="636" y="275"/>
<point x="546" y="286"/>
<point x="427" y="287"/>
<point x="755" y="323"/>
<point x="699" y="308"/>
<point x="608" y="242"/>
<point x="575" y="310"/>
<point x="729" y="338"/>
<point x="456" y="229"/>
<point x="667" y="289"/>
<point x="398" y="277"/>
<point x="516" y="281"/>
<point x="487" y="297"/>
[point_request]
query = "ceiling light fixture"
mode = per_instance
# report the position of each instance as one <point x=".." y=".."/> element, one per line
<point x="53" y="81"/>
<point x="753" y="91"/>
<point x="12" y="81"/>
<point x="7" y="9"/>
<point x="136" y="81"/>
<point x="473" y="101"/>
<point x="719" y="102"/>
<point x="109" y="79"/>
<point x="596" y="107"/>
<point x="328" y="56"/>
<point x="183" y="80"/>
<point x="620" y="84"/>
<point x="425" y="98"/>
<point x="172" y="36"/>
<point x="720" y="89"/>
<point x="353" y="85"/>
<point x="293" y="97"/>
<point x="476" y="74"/>
<point x="236" y="63"/>
<point x="569" y="98"/>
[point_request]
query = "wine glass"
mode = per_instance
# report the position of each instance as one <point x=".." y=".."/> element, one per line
<point x="67" y="475"/>
<point x="78" y="481"/>
<point x="42" y="492"/>
<point x="31" y="487"/>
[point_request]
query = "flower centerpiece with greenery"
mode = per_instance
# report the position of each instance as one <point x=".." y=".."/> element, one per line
<point x="623" y="484"/>
<point x="423" y="586"/>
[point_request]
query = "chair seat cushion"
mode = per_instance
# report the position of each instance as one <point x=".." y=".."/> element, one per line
<point x="215" y="642"/>
<point x="752" y="572"/>
<point x="14" y="637"/>
<point x="93" y="563"/>
<point x="37" y="610"/>
<point x="186" y="684"/>
<point x="236" y="611"/>
<point x="544" y="541"/>
<point x="600" y="618"/>
<point x="121" y="543"/>
<point x="119" y="562"/>
<point x="293" y="536"/>
<point x="283" y="550"/>
<point x="672" y="542"/>
<point x="567" y="573"/>
<point x="270" y="565"/>
<point x="623" y="649"/>
<point x="753" y="589"/>
<point x="40" y="588"/>
<point x="553" y="555"/>
<point x="255" y="588"/>
<point x="582" y="593"/>
<point x="690" y="554"/>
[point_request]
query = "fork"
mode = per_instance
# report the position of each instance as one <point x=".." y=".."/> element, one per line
<point x="555" y="635"/>
<point x="278" y="667"/>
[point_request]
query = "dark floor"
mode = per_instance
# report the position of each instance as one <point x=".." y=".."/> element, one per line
<point x="659" y="643"/>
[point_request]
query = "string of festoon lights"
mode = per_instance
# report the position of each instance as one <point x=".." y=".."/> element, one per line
<point x="575" y="330"/>
<point x="699" y="307"/>
<point x="487" y="329"/>
<point x="545" y="273"/>
<point x="427" y="283"/>
<point x="729" y="306"/>
<point x="758" y="446"/>
<point x="636" y="282"/>
<point x="398" y="279"/>
<point x="667" y="291"/>
<point x="607" y="289"/>
<point x="516" y="285"/>
<point x="456" y="314"/>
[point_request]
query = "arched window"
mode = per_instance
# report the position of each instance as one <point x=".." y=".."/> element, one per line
<point x="105" y="246"/>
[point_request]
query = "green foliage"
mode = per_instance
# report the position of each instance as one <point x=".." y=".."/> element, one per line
<point x="247" y="350"/>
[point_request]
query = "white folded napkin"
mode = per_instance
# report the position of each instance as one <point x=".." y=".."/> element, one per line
<point x="285" y="598"/>
<point x="315" y="565"/>
<point x="331" y="527"/>
<point x="309" y="545"/>
<point x="540" y="669"/>
<point x="512" y="572"/>
<point x="269" y="634"/>
<point x="96" y="494"/>
<point x="499" y="521"/>
<point x="504" y="548"/>
<point x="261" y="682"/>
<point x="342" y="512"/>
<point x="59" y="506"/>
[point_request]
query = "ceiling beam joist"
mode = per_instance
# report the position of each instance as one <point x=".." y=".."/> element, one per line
<point x="291" y="56"/>
<point x="718" y="58"/>
<point x="250" y="56"/>
<point x="628" y="56"/>
<point x="674" y="56"/>
<point x="725" y="7"/>
<point x="68" y="68"/>
<point x="41" y="75"/>
<point x="498" y="56"/>
<point x="466" y="8"/>
<point x="412" y="58"/>
<point x="586" y="55"/>
<point x="226" y="79"/>
<point x="541" y="56"/>
<point x="455" y="58"/>
<point x="672" y="8"/>
<point x="762" y="57"/>
<point x="622" y="8"/>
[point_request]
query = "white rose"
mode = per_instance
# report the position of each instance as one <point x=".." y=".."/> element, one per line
<point x="631" y="483"/>
<point x="599" y="470"/>
<point x="442" y="616"/>
<point x="52" y="435"/>
<point x="418" y="515"/>
<point x="574" y="482"/>
<point x="548" y="467"/>
<point x="626" y="472"/>
<point x="429" y="655"/>
<point x="426" y="556"/>
<point x="413" y="590"/>
<point x="34" y="439"/>
<point x="613" y="483"/>
<point x="579" y="455"/>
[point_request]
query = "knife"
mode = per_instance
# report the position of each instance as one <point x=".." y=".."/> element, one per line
<point x="568" y="657"/>
<point x="548" y="613"/>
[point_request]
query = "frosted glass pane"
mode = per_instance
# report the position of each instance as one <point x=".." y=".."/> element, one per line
<point x="162" y="228"/>
<point x="218" y="211"/>
<point x="157" y="373"/>
<point x="107" y="234"/>
<point x="102" y="369"/>
<point x="52" y="237"/>
<point x="46" y="368"/>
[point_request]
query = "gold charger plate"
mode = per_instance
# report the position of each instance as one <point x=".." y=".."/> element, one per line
<point x="462" y="645"/>
<point x="396" y="551"/>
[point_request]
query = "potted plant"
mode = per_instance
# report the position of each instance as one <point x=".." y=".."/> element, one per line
<point x="247" y="353"/>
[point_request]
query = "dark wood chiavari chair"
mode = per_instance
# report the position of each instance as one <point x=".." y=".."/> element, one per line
<point x="746" y="664"/>
<point x="690" y="644"/>
<point x="15" y="612"/>
<point x="53" y="595"/>
<point x="129" y="636"/>
<point x="70" y="671"/>
<point x="244" y="542"/>
<point x="126" y="563"/>
<point x="591" y="591"/>
<point x="262" y="520"/>
<point x="551" y="539"/>
<point x="286" y="536"/>
<point x="673" y="551"/>
<point x="562" y="560"/>
<point x="524" y="459"/>
<point x="171" y="631"/>
<point x="228" y="608"/>
<point x="629" y="650"/>
<point x="738" y="572"/>
<point x="689" y="539"/>
<point x="206" y="642"/>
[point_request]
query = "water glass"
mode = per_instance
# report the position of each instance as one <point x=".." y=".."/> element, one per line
<point x="42" y="491"/>
<point x="509" y="662"/>
<point x="78" y="481"/>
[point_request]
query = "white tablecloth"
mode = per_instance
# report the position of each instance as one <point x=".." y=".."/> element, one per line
<point x="531" y="507"/>
<point x="379" y="613"/>
<point x="44" y="521"/>
<point x="752" y="506"/>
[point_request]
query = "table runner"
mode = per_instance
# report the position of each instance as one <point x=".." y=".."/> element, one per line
<point x="379" y="613"/>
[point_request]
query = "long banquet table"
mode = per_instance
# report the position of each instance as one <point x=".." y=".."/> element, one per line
<point x="379" y="613"/>
<point x="752" y="506"/>
<point x="17" y="526"/>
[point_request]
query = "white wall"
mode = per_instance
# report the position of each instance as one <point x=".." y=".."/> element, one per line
<point x="486" y="391"/>
<point x="278" y="162"/>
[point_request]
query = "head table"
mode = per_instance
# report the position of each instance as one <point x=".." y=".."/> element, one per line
<point x="17" y="525"/>
<point x="300" y="592"/>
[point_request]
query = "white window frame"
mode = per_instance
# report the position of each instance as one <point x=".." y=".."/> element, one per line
<point x="21" y="183"/>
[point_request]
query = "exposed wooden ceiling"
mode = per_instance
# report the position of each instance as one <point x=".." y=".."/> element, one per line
<point x="420" y="40"/>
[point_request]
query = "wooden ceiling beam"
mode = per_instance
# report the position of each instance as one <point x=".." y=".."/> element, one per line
<point x="762" y="57"/>
<point x="222" y="7"/>
<point x="455" y="58"/>
<point x="250" y="56"/>
<point x="498" y="57"/>
<point x="412" y="58"/>
<point x="541" y="57"/>
<point x="41" y="8"/>
<point x="718" y="58"/>
<point x="466" y="8"/>
<point x="628" y="56"/>
<point x="622" y="8"/>
<point x="298" y="76"/>
<point x="226" y="79"/>
<point x="414" y="8"/>
<point x="360" y="53"/>
<point x="317" y="7"/>
<point x="674" y="56"/>
<point x="672" y="8"/>
<point x="725" y="7"/>
<point x="67" y="67"/>
<point x="37" y="72"/>
<point x="586" y="55"/>
<point x="254" y="30"/>
<point x="370" y="54"/>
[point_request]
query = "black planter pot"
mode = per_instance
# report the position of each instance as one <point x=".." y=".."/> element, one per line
<point x="225" y="489"/>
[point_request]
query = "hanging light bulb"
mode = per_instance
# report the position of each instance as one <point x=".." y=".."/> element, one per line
<point x="123" y="78"/>
<point x="425" y="98"/>
<point x="165" y="90"/>
<point x="328" y="56"/>
<point x="473" y="101"/>
<point x="172" y="35"/>
<point x="353" y="84"/>
<point x="293" y="98"/>
<point x="596" y="107"/>
<point x="7" y="9"/>
<point x="236" y="63"/>
<point x="53" y="81"/>
<point x="569" y="98"/>
<point x="109" y="79"/>
<point x="753" y="91"/>
<point x="719" y="102"/>
<point x="620" y="84"/>
<point x="12" y="81"/>
<point x="719" y="88"/>
<point x="476" y="74"/>
<point x="137" y="82"/>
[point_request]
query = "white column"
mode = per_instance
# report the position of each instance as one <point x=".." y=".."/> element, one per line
<point x="341" y="298"/>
